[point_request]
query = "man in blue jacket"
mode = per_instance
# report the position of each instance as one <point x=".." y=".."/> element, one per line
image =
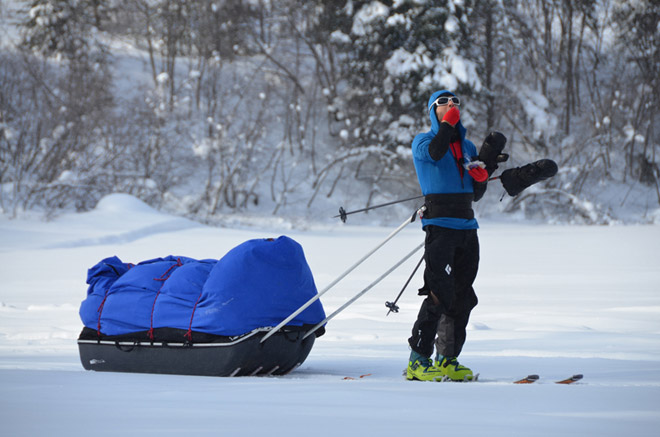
<point x="451" y="177"/>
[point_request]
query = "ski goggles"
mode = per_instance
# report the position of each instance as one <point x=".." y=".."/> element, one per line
<point x="444" y="100"/>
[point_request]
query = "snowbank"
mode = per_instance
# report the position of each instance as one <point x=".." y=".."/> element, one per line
<point x="554" y="300"/>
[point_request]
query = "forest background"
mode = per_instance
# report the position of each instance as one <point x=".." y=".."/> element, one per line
<point x="289" y="108"/>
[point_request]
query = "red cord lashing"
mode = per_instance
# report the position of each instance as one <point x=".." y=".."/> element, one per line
<point x="164" y="277"/>
<point x="188" y="334"/>
<point x="100" y="310"/>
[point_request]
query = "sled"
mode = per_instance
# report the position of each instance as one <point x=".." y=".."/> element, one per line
<point x="222" y="356"/>
<point x="179" y="315"/>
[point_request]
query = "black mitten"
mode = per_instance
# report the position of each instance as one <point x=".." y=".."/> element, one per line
<point x="491" y="151"/>
<point x="515" y="180"/>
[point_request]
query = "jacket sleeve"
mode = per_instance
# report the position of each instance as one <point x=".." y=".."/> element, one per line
<point x="420" y="147"/>
<point x="479" y="188"/>
<point x="440" y="143"/>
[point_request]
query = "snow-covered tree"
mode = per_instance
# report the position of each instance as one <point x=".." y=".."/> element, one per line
<point x="391" y="56"/>
<point x="275" y="104"/>
<point x="638" y="29"/>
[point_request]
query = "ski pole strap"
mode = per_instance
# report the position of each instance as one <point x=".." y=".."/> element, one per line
<point x="456" y="205"/>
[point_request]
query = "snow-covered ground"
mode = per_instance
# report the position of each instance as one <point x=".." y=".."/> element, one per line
<point x="554" y="300"/>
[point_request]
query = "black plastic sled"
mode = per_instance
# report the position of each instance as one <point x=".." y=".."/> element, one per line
<point x="213" y="356"/>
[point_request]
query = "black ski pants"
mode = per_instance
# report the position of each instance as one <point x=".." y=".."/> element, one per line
<point x="452" y="261"/>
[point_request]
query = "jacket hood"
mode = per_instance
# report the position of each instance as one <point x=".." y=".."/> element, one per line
<point x="435" y="123"/>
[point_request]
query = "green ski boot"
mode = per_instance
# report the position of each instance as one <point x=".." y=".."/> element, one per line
<point x="451" y="370"/>
<point x="421" y="368"/>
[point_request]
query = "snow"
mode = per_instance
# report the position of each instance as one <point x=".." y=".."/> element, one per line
<point x="554" y="300"/>
<point x="535" y="106"/>
<point x="366" y="15"/>
<point x="402" y="62"/>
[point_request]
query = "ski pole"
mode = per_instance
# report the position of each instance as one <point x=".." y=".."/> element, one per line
<point x="357" y="296"/>
<point x="342" y="212"/>
<point x="392" y="305"/>
<point x="343" y="275"/>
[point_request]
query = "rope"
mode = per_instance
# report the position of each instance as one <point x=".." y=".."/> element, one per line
<point x="164" y="277"/>
<point x="188" y="335"/>
<point x="100" y="310"/>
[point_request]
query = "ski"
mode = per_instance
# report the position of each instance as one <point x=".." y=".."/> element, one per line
<point x="570" y="380"/>
<point x="350" y="378"/>
<point x="529" y="379"/>
<point x="446" y="378"/>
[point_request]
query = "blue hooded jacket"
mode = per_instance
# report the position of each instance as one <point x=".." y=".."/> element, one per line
<point x="442" y="176"/>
